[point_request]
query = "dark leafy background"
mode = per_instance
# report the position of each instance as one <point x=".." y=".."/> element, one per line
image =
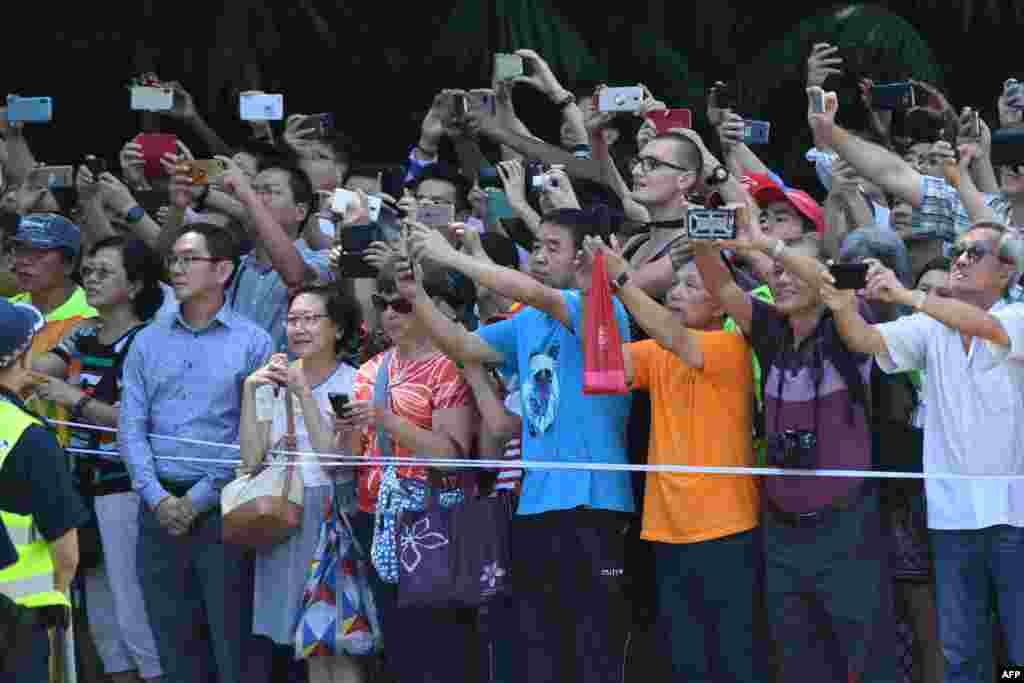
<point x="377" y="64"/>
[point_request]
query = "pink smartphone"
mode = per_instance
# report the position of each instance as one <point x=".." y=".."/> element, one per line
<point x="154" y="147"/>
<point x="667" y="119"/>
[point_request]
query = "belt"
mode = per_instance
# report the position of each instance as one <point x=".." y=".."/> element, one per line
<point x="817" y="517"/>
<point x="178" y="489"/>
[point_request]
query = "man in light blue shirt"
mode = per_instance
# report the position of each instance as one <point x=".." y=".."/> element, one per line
<point x="184" y="379"/>
<point x="569" y="584"/>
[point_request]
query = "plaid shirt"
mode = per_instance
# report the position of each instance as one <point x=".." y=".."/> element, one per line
<point x="942" y="214"/>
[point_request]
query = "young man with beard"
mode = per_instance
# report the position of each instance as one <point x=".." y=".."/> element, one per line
<point x="703" y="527"/>
<point x="572" y="616"/>
<point x="972" y="346"/>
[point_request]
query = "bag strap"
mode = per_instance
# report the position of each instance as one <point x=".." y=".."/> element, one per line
<point x="381" y="394"/>
<point x="290" y="441"/>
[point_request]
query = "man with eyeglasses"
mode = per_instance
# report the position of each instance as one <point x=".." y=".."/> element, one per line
<point x="972" y="346"/>
<point x="183" y="378"/>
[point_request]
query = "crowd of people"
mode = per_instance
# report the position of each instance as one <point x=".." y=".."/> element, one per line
<point x="164" y="334"/>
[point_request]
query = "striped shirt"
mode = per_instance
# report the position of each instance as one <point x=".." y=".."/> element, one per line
<point x="942" y="214"/>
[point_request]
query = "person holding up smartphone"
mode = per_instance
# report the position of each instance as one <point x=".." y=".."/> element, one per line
<point x="322" y="328"/>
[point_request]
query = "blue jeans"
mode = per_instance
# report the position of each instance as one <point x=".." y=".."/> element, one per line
<point x="707" y="597"/>
<point x="973" y="570"/>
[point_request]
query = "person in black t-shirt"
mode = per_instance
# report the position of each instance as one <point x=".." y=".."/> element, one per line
<point x="120" y="282"/>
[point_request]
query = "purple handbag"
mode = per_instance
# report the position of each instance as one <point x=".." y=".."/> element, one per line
<point x="454" y="557"/>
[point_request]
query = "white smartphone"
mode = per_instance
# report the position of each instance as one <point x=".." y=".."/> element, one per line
<point x="146" y="98"/>
<point x="507" y="66"/>
<point x="621" y="99"/>
<point x="345" y="198"/>
<point x="261" y="107"/>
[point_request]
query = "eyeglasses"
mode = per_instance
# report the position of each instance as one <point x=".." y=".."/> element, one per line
<point x="400" y="306"/>
<point x="439" y="201"/>
<point x="648" y="164"/>
<point x="975" y="251"/>
<point x="305" y="320"/>
<point x="172" y="262"/>
<point x="101" y="274"/>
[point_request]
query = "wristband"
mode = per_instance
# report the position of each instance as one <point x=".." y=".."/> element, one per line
<point x="777" y="249"/>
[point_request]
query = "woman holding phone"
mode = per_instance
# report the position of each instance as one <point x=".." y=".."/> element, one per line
<point x="322" y="326"/>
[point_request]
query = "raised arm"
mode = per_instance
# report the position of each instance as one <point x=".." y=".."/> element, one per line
<point x="662" y="324"/>
<point x="875" y="163"/>
<point x="719" y="281"/>
<point x="858" y="335"/>
<point x="185" y="110"/>
<point x="432" y="245"/>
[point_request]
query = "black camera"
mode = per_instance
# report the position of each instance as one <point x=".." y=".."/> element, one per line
<point x="793" y="449"/>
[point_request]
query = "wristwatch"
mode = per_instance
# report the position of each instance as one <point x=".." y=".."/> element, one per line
<point x="717" y="176"/>
<point x="134" y="215"/>
<point x="620" y="282"/>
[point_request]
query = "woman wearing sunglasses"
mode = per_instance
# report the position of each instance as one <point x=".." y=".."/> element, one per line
<point x="429" y="413"/>
<point x="322" y="327"/>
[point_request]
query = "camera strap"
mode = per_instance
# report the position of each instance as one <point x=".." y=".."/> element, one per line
<point x="818" y="367"/>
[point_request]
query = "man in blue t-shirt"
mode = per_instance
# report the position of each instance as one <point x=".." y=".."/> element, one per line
<point x="570" y="522"/>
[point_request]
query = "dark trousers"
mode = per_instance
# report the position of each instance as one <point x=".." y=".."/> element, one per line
<point x="567" y="570"/>
<point x="32" y="663"/>
<point x="422" y="644"/>
<point x="829" y="597"/>
<point x="974" y="569"/>
<point x="198" y="594"/>
<point x="708" y="594"/>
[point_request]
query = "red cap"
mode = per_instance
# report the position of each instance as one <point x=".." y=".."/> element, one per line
<point x="764" y="190"/>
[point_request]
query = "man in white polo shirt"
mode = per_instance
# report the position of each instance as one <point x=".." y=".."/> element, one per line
<point x="972" y="346"/>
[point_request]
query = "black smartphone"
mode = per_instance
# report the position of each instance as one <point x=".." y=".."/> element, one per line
<point x="352" y="265"/>
<point x="359" y="237"/>
<point x="339" y="402"/>
<point x="849" y="275"/>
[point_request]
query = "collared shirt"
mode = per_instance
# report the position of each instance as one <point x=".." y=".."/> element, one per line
<point x="560" y="422"/>
<point x="258" y="292"/>
<point x="975" y="418"/>
<point x="942" y="214"/>
<point x="187" y="382"/>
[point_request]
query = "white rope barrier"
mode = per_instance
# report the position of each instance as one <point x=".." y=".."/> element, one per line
<point x="341" y="460"/>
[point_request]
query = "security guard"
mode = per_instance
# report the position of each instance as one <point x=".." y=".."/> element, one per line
<point x="38" y="504"/>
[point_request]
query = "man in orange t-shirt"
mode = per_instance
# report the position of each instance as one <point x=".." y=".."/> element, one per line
<point x="703" y="526"/>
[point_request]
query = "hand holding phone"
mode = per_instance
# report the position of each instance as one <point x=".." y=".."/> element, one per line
<point x="202" y="171"/>
<point x="154" y="146"/>
<point x="849" y="275"/>
<point x="628" y="99"/>
<point x="507" y="66"/>
<point x="261" y="106"/>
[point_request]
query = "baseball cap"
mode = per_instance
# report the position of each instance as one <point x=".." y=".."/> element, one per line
<point x="49" y="231"/>
<point x="765" y="189"/>
<point x="18" y="325"/>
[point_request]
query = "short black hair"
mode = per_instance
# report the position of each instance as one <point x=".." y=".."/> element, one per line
<point x="298" y="180"/>
<point x="596" y="222"/>
<point x="343" y="310"/>
<point x="938" y="263"/>
<point x="443" y="172"/>
<point x="221" y="244"/>
<point x="141" y="264"/>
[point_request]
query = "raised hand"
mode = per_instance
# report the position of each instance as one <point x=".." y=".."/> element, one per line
<point x="184" y="106"/>
<point x="132" y="165"/>
<point x="823" y="62"/>
<point x="539" y="74"/>
<point x="883" y="285"/>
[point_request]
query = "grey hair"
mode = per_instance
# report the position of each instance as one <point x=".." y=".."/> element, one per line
<point x="877" y="243"/>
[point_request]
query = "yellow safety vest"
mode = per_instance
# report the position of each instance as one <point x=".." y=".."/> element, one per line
<point x="30" y="582"/>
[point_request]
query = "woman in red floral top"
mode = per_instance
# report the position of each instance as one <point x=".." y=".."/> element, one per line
<point x="430" y="413"/>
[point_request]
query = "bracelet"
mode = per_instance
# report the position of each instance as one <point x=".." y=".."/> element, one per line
<point x="917" y="300"/>
<point x="777" y="249"/>
<point x="621" y="281"/>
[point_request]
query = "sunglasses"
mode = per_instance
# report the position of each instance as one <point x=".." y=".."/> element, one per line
<point x="400" y="306"/>
<point x="975" y="251"/>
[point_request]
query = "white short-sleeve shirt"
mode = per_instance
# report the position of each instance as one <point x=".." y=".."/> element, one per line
<point x="975" y="418"/>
